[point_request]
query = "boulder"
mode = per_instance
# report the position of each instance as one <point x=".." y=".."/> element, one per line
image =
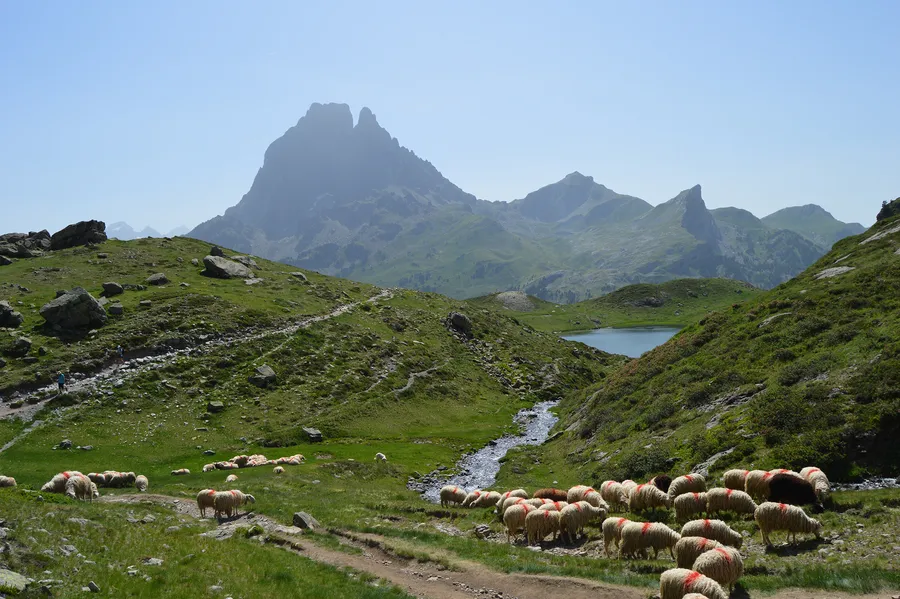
<point x="305" y="521"/>
<point x="263" y="376"/>
<point x="75" y="310"/>
<point x="81" y="233"/>
<point x="216" y="251"/>
<point x="223" y="268"/>
<point x="460" y="322"/>
<point x="111" y="288"/>
<point x="313" y="434"/>
<point x="157" y="279"/>
<point x="214" y="407"/>
<point x="61" y="292"/>
<point x="195" y="262"/>
<point x="2" y="362"/>
<point x="20" y="347"/>
<point x="12" y="583"/>
<point x="145" y="303"/>
<point x="116" y="309"/>
<point x="299" y="275"/>
<point x="4" y="261"/>
<point x="65" y="444"/>
<point x="9" y="318"/>
<point x="246" y="261"/>
<point x="22" y="245"/>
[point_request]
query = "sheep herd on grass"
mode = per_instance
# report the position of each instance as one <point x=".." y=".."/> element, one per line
<point x="705" y="550"/>
<point x="252" y="461"/>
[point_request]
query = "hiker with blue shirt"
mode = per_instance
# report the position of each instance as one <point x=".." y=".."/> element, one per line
<point x="61" y="381"/>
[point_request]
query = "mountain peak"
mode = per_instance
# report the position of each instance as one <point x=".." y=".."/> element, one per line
<point x="366" y="118"/>
<point x="576" y="177"/>
<point x="328" y="116"/>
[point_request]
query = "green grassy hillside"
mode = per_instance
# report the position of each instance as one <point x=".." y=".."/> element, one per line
<point x="804" y="374"/>
<point x="674" y="303"/>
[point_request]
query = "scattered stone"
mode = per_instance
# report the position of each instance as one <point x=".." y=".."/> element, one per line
<point x="313" y="434"/>
<point x="111" y="288"/>
<point x="183" y="284"/>
<point x="157" y="279"/>
<point x="299" y="275"/>
<point x="834" y="271"/>
<point x="4" y="261"/>
<point x="263" y="377"/>
<point x="11" y="582"/>
<point x="216" y="251"/>
<point x="20" y="347"/>
<point x="64" y="444"/>
<point x="214" y="407"/>
<point x="210" y="451"/>
<point x="305" y="521"/>
<point x="195" y="262"/>
<point x="93" y="587"/>
<point x="129" y="287"/>
<point x="148" y="519"/>
<point x="61" y="292"/>
<point x="42" y="351"/>
<point x="152" y="561"/>
<point x="30" y="359"/>
<point x="116" y="310"/>
<point x="9" y="318"/>
<point x="20" y="245"/>
<point x="103" y="301"/>
<point x="75" y="310"/>
<point x="145" y="303"/>
<point x="222" y="268"/>
<point x="81" y="233"/>
<point x="252" y="281"/>
<point x="246" y="261"/>
<point x="85" y="447"/>
<point x="460" y="323"/>
<point x="102" y="255"/>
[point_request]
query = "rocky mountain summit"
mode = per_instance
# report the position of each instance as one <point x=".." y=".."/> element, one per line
<point x="34" y="244"/>
<point x="349" y="200"/>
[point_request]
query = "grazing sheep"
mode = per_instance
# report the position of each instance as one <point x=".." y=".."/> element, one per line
<point x="787" y="488"/>
<point x="781" y="516"/>
<point x="57" y="484"/>
<point x="689" y="483"/>
<point x="7" y="481"/>
<point x="612" y="532"/>
<point x="729" y="500"/>
<point x="180" y="472"/>
<point x="553" y="506"/>
<point x="471" y="497"/>
<point x="514" y="519"/>
<point x="614" y="495"/>
<point x="756" y="484"/>
<point x="589" y="494"/>
<point x="95" y="492"/>
<point x="679" y="582"/>
<point x="722" y="564"/>
<point x="551" y="494"/>
<point x="209" y="467"/>
<point x="79" y="487"/>
<point x="488" y="499"/>
<point x="505" y="505"/>
<point x="688" y="549"/>
<point x="380" y="457"/>
<point x="118" y="480"/>
<point x="451" y="494"/>
<point x="640" y="536"/>
<point x="227" y="503"/>
<point x="784" y="471"/>
<point x="278" y="469"/>
<point x="662" y="482"/>
<point x="97" y="478"/>
<point x="734" y="479"/>
<point x="539" y="524"/>
<point x="628" y="486"/>
<point x="141" y="483"/>
<point x="818" y="480"/>
<point x="647" y="496"/>
<point x="231" y="478"/>
<point x="713" y="529"/>
<point x="205" y="499"/>
<point x="575" y="516"/>
<point x="688" y="505"/>
<point x="521" y="493"/>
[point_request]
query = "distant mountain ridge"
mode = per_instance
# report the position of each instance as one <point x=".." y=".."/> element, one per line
<point x="125" y="232"/>
<point x="348" y="200"/>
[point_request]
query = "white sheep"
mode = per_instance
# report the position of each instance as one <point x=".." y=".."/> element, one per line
<point x="612" y="532"/>
<point x="7" y="481"/>
<point x="539" y="524"/>
<point x="95" y="492"/>
<point x="679" y="582"/>
<point x="729" y="500"/>
<point x="688" y="505"/>
<point x="471" y="497"/>
<point x="231" y="478"/>
<point x="613" y="493"/>
<point x="452" y="494"/>
<point x="575" y="516"/>
<point x="756" y="484"/>
<point x="180" y="472"/>
<point x="772" y="516"/>
<point x="734" y="479"/>
<point x="554" y="506"/>
<point x="227" y="503"/>
<point x="79" y="487"/>
<point x="647" y="496"/>
<point x="486" y="499"/>
<point x="637" y="537"/>
<point x="380" y="457"/>
<point x="818" y="480"/>
<point x="209" y="467"/>
<point x="722" y="564"/>
<point x="57" y="484"/>
<point x="98" y="478"/>
<point x="688" y="549"/>
<point x="584" y="493"/>
<point x="628" y="486"/>
<point x="775" y="471"/>
<point x="689" y="483"/>
<point x="205" y="500"/>
<point x="278" y="469"/>
<point x="514" y="519"/>
<point x="520" y="493"/>
<point x="141" y="483"/>
<point x="713" y="529"/>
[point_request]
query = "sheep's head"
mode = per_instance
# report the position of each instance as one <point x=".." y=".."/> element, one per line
<point x="738" y="540"/>
<point x="250" y="499"/>
<point x="817" y="528"/>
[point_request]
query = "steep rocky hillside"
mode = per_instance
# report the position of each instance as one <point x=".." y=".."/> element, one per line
<point x="348" y="200"/>
<point x="804" y="374"/>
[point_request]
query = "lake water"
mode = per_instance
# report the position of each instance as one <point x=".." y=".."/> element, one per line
<point x="632" y="341"/>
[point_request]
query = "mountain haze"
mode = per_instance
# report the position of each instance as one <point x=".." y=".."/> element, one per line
<point x="348" y="200"/>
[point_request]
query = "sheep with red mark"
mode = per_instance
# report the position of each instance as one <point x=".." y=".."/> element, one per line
<point x="613" y="493"/>
<point x="57" y="484"/>
<point x="514" y="519"/>
<point x="628" y="486"/>
<point x="205" y="501"/>
<point x="575" y="516"/>
<point x="584" y="493"/>
<point x="713" y="529"/>
<point x="551" y="494"/>
<point x="818" y="480"/>
<point x="689" y="483"/>
<point x="612" y="532"/>
<point x="79" y="486"/>
<point x="723" y="564"/>
<point x="734" y="479"/>
<point x="647" y="496"/>
<point x="471" y="497"/>
<point x="781" y="516"/>
<point x="486" y="499"/>
<point x="756" y="484"/>
<point x="539" y="524"/>
<point x="688" y="549"/>
<point x="141" y="483"/>
<point x="553" y="506"/>
<point x="180" y="472"/>
<point x="637" y="537"/>
<point x="689" y="505"/>
<point x="680" y="582"/>
<point x="729" y="500"/>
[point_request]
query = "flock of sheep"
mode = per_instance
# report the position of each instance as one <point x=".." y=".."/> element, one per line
<point x="706" y="551"/>
<point x="248" y="461"/>
<point x="223" y="503"/>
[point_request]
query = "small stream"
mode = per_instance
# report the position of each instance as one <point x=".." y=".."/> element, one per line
<point x="479" y="470"/>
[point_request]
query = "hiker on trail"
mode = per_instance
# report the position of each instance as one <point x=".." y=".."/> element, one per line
<point x="61" y="382"/>
<point x="121" y="354"/>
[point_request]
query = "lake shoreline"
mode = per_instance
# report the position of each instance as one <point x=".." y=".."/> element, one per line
<point x="628" y="341"/>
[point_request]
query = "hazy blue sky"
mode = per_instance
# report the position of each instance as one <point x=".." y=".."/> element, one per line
<point x="158" y="113"/>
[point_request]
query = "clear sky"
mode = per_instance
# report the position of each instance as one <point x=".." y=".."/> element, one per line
<point x="158" y="113"/>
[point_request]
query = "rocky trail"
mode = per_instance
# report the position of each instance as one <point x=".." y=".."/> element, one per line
<point x="31" y="402"/>
<point x="466" y="580"/>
